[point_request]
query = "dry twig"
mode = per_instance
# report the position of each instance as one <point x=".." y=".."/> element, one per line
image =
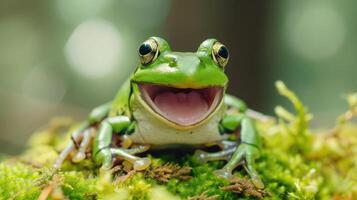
<point x="50" y="190"/>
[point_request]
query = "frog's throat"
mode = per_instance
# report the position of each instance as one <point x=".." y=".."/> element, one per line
<point x="181" y="108"/>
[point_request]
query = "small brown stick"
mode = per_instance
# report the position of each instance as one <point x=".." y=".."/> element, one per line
<point x="49" y="189"/>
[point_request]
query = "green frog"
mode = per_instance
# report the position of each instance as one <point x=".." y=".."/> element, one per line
<point x="172" y="99"/>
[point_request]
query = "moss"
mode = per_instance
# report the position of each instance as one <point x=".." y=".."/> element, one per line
<point x="76" y="186"/>
<point x="296" y="163"/>
<point x="18" y="181"/>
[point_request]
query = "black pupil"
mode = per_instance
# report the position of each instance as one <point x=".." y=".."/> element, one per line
<point x="223" y="52"/>
<point x="145" y="49"/>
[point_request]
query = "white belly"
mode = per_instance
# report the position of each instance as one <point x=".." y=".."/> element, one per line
<point x="150" y="130"/>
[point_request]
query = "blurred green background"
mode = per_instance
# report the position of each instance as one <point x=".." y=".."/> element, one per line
<point x="63" y="57"/>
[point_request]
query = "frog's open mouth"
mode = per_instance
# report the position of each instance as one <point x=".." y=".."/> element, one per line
<point x="182" y="106"/>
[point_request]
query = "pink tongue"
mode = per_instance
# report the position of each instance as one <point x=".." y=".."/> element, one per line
<point x="183" y="108"/>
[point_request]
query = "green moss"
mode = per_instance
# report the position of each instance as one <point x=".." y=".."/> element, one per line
<point x="76" y="186"/>
<point x="296" y="163"/>
<point x="204" y="180"/>
<point x="18" y="181"/>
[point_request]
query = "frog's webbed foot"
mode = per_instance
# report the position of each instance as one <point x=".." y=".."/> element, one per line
<point x="227" y="147"/>
<point x="203" y="156"/>
<point x="246" y="154"/>
<point x="129" y="155"/>
<point x="107" y="156"/>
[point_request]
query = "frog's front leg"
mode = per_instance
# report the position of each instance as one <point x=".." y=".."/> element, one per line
<point x="103" y="152"/>
<point x="248" y="149"/>
<point x="82" y="135"/>
<point x="81" y="130"/>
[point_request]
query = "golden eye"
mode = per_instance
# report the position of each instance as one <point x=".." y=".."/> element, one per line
<point x="148" y="51"/>
<point x="220" y="54"/>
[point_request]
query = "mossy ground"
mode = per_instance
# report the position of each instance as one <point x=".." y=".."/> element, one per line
<point x="295" y="163"/>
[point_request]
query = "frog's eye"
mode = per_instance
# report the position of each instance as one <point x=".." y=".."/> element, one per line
<point x="148" y="51"/>
<point x="220" y="54"/>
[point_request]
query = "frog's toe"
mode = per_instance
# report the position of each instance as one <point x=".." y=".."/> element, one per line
<point x="81" y="154"/>
<point x="200" y="156"/>
<point x="258" y="183"/>
<point x="141" y="164"/>
<point x="223" y="173"/>
<point x="79" y="157"/>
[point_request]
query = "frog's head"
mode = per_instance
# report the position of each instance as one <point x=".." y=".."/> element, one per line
<point x="182" y="89"/>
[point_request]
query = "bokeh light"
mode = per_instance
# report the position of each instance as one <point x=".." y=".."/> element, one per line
<point x="315" y="31"/>
<point x="94" y="48"/>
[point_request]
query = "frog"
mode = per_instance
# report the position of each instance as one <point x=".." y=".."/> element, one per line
<point x="172" y="99"/>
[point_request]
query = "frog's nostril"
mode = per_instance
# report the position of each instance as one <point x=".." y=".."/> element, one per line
<point x="171" y="60"/>
<point x="173" y="63"/>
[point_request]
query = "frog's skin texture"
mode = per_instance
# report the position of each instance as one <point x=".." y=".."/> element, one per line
<point x="172" y="99"/>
